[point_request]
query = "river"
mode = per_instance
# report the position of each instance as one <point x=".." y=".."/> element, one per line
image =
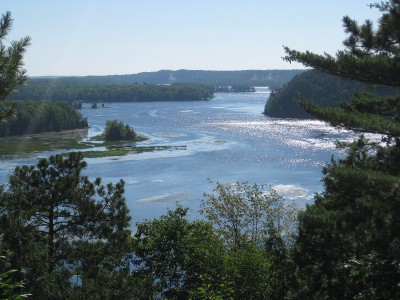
<point x="226" y="139"/>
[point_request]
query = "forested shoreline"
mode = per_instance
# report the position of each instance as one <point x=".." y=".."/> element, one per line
<point x="113" y="93"/>
<point x="39" y="116"/>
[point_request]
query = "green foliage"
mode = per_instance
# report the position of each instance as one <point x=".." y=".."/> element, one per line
<point x="70" y="240"/>
<point x="259" y="227"/>
<point x="10" y="289"/>
<point x="251" y="271"/>
<point x="355" y="218"/>
<point x="117" y="131"/>
<point x="353" y="119"/>
<point x="67" y="235"/>
<point x="35" y="117"/>
<point x="209" y="291"/>
<point x="12" y="73"/>
<point x="44" y="142"/>
<point x="114" y="93"/>
<point x="244" y="213"/>
<point x="365" y="272"/>
<point x="176" y="253"/>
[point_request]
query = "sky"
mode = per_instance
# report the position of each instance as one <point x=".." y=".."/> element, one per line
<point x="105" y="37"/>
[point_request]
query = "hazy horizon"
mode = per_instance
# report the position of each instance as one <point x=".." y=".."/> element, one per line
<point x="99" y="37"/>
<point x="167" y="70"/>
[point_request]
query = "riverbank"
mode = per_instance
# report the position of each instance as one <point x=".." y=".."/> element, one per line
<point x="41" y="142"/>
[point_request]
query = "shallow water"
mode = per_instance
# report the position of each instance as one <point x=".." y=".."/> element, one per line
<point x="227" y="139"/>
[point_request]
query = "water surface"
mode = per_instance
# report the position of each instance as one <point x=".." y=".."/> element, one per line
<point x="227" y="139"/>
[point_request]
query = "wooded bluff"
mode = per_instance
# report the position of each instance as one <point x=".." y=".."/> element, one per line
<point x="323" y="89"/>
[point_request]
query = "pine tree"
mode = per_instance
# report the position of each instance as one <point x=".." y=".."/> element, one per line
<point x="349" y="239"/>
<point x="12" y="72"/>
<point x="67" y="235"/>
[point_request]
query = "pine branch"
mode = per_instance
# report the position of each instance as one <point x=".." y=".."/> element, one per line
<point x="363" y="122"/>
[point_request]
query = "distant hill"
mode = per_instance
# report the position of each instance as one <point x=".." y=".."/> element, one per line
<point x="271" y="78"/>
<point x="323" y="89"/>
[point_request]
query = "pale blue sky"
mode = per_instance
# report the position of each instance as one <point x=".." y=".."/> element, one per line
<point x="100" y="37"/>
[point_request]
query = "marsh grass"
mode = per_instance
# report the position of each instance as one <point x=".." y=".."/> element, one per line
<point x="75" y="140"/>
<point x="34" y="143"/>
<point x="125" y="150"/>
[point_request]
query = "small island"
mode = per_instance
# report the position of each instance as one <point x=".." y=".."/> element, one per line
<point x="120" y="139"/>
<point x="118" y="131"/>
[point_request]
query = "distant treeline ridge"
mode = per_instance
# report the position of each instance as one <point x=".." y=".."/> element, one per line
<point x="271" y="78"/>
<point x="114" y="93"/>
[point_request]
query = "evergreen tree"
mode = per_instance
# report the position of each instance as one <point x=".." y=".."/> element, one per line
<point x="11" y="64"/>
<point x="12" y="72"/>
<point x="67" y="235"/>
<point x="349" y="240"/>
<point x="118" y="131"/>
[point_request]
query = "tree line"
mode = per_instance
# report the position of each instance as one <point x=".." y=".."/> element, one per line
<point x="113" y="93"/>
<point x="39" y="116"/>
<point x="272" y="78"/>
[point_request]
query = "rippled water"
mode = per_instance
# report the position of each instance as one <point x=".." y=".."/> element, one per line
<point x="227" y="139"/>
